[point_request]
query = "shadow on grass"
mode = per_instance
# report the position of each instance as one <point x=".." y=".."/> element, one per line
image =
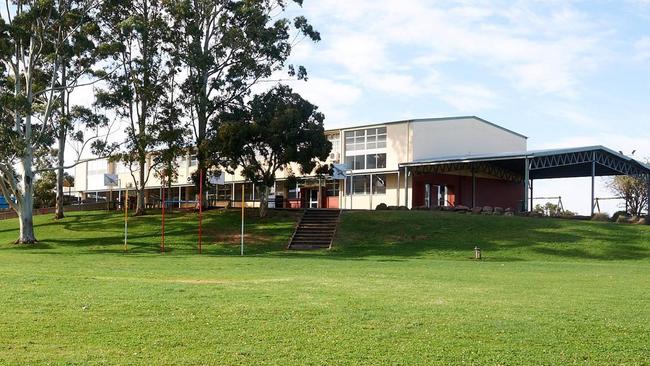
<point x="450" y="235"/>
<point x="379" y="236"/>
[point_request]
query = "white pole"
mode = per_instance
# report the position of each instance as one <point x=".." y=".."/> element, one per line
<point x="242" y="219"/>
<point x="126" y="217"/>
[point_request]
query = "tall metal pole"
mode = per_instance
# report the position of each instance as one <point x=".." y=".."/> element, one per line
<point x="474" y="188"/>
<point x="526" y="185"/>
<point x="351" y="191"/>
<point x="371" y="191"/>
<point x="126" y="218"/>
<point x="406" y="186"/>
<point x="593" y="183"/>
<point x="200" y="210"/>
<point x="531" y="194"/>
<point x="162" y="196"/>
<point x="647" y="216"/>
<point x="241" y="250"/>
<point x="398" y="182"/>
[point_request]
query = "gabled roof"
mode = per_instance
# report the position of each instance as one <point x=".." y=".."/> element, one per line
<point x="419" y="120"/>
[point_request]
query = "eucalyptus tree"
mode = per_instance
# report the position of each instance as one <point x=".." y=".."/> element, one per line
<point x="32" y="35"/>
<point x="139" y="80"/>
<point x="77" y="57"/>
<point x="226" y="47"/>
<point x="276" y="129"/>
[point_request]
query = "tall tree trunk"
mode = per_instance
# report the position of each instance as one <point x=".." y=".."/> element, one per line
<point x="263" y="192"/>
<point x="139" y="208"/>
<point x="60" y="159"/>
<point x="26" y="205"/>
<point x="58" y="213"/>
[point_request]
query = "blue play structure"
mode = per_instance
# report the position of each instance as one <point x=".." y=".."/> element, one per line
<point x="3" y="203"/>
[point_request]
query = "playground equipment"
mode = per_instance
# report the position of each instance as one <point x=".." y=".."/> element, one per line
<point x="596" y="203"/>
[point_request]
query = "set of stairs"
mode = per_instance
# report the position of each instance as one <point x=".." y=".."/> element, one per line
<point x="315" y="230"/>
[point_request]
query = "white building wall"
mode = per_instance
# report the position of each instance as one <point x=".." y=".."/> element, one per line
<point x="467" y="136"/>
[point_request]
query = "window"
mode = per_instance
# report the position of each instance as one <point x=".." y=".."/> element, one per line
<point x="361" y="184"/>
<point x="379" y="184"/>
<point x="355" y="140"/>
<point x="357" y="146"/>
<point x="336" y="146"/>
<point x="376" y="138"/>
<point x="248" y="192"/>
<point x="224" y="192"/>
<point x="293" y="193"/>
<point x="356" y="162"/>
<point x="375" y="161"/>
<point x="194" y="161"/>
<point x="332" y="187"/>
<point x="370" y="161"/>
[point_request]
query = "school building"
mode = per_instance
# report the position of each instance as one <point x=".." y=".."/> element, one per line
<point x="422" y="162"/>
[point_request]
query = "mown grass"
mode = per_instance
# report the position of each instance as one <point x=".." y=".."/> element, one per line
<point x="399" y="288"/>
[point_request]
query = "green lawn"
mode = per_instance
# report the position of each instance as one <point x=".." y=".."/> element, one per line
<point x="399" y="288"/>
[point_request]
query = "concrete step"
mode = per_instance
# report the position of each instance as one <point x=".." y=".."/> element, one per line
<point x="315" y="230"/>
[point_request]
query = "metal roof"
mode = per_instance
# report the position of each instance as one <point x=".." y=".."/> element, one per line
<point x="516" y="155"/>
<point x="549" y="163"/>
<point x="437" y="119"/>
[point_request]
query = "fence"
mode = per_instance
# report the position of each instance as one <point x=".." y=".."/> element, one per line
<point x="10" y="214"/>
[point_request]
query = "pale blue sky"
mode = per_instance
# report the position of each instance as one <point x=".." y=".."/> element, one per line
<point x="563" y="73"/>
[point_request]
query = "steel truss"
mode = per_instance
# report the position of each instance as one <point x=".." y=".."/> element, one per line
<point x="476" y="167"/>
<point x="607" y="160"/>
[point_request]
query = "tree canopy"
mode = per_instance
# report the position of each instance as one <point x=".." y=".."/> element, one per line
<point x="276" y="129"/>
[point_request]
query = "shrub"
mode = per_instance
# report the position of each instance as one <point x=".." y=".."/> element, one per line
<point x="601" y="216"/>
<point x="621" y="219"/>
<point x="618" y="214"/>
<point x="381" y="206"/>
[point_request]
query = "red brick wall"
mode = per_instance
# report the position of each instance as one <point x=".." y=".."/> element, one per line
<point x="489" y="192"/>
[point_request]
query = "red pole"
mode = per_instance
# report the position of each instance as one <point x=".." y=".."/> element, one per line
<point x="200" y="208"/>
<point x="162" y="244"/>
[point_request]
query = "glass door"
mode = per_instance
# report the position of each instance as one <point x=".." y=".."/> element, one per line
<point x="313" y="198"/>
<point x="427" y="195"/>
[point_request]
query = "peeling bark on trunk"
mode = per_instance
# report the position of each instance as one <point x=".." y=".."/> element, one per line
<point x="263" y="192"/>
<point x="58" y="213"/>
<point x="140" y="207"/>
<point x="25" y="211"/>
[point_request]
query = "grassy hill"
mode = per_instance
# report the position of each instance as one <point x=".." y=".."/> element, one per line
<point x="501" y="238"/>
<point x="399" y="288"/>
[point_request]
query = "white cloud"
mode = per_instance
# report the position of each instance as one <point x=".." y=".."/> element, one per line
<point x="334" y="99"/>
<point x="545" y="49"/>
<point x="470" y="98"/>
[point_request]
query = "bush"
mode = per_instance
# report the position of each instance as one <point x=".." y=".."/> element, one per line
<point x="601" y="216"/>
<point x="618" y="214"/>
<point x="381" y="207"/>
<point x="621" y="219"/>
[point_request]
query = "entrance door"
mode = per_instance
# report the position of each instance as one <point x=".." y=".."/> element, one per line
<point x="427" y="195"/>
<point x="442" y="195"/>
<point x="313" y="198"/>
<point x="435" y="195"/>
